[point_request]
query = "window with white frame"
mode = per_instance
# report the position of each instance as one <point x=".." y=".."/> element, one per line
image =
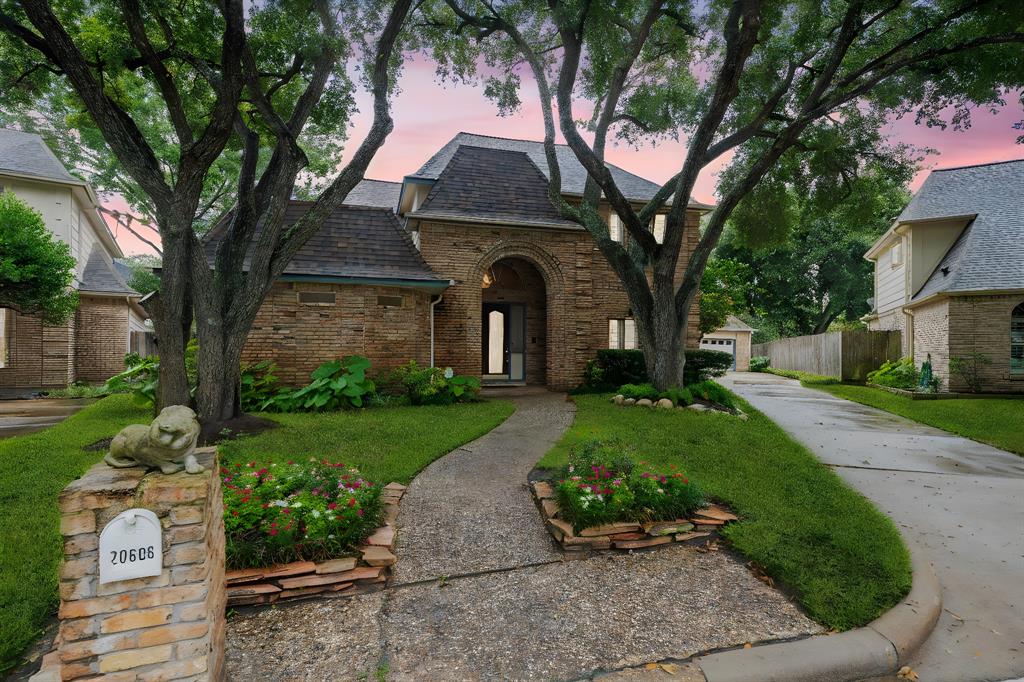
<point x="6" y="335"/>
<point x="1017" y="341"/>
<point x="622" y="333"/>
<point x="659" y="228"/>
<point x="615" y="226"/>
<point x="896" y="254"/>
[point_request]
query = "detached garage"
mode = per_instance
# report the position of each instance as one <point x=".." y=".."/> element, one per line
<point x="733" y="338"/>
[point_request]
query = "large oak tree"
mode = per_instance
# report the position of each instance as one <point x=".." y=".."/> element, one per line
<point x="759" y="84"/>
<point x="203" y="104"/>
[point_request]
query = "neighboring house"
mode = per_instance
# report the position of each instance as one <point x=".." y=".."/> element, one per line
<point x="949" y="274"/>
<point x="109" y="321"/>
<point x="464" y="264"/>
<point x="733" y="338"/>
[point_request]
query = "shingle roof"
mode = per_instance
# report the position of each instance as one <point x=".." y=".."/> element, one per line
<point x="27" y="154"/>
<point x="989" y="255"/>
<point x="735" y="324"/>
<point x="378" y="193"/>
<point x="574" y="176"/>
<point x="494" y="186"/>
<point x="355" y="242"/>
<point x="103" y="276"/>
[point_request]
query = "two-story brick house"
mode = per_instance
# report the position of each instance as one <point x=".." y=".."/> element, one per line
<point x="949" y="274"/>
<point x="109" y="321"/>
<point x="463" y="264"/>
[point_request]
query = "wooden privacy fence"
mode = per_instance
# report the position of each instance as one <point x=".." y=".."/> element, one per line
<point x="849" y="355"/>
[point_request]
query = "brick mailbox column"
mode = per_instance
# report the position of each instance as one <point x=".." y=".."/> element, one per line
<point x="165" y="627"/>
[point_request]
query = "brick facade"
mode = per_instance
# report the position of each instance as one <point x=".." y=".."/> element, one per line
<point x="300" y="336"/>
<point x="981" y="324"/>
<point x="39" y="355"/>
<point x="102" y="337"/>
<point x="931" y="337"/>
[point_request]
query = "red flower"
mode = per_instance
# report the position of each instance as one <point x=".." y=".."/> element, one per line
<point x="351" y="502"/>
<point x="332" y="505"/>
<point x="272" y="531"/>
<point x="234" y="513"/>
<point x="359" y="512"/>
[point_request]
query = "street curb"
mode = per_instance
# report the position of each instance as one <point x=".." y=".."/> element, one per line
<point x="879" y="648"/>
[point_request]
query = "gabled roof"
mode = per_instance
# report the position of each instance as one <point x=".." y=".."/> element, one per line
<point x="493" y="186"/>
<point x="27" y="154"/>
<point x="378" y="193"/>
<point x="104" y="277"/>
<point x="574" y="176"/>
<point x="355" y="243"/>
<point x="989" y="254"/>
<point x="735" y="324"/>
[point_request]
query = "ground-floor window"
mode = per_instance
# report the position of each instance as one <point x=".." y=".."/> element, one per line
<point x="1017" y="340"/>
<point x="6" y="334"/>
<point x="622" y="334"/>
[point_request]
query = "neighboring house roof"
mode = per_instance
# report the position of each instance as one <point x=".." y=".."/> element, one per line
<point x="27" y="154"/>
<point x="379" y="193"/>
<point x="355" y="243"/>
<point x="492" y="186"/>
<point x="989" y="254"/>
<point x="104" y="277"/>
<point x="574" y="176"/>
<point x="735" y="324"/>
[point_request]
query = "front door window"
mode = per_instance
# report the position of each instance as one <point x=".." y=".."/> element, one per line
<point x="504" y="341"/>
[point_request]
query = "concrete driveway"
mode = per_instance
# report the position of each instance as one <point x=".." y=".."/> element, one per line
<point x="960" y="502"/>
<point x="19" y="417"/>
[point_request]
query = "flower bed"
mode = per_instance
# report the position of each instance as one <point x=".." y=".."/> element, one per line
<point x="300" y="529"/>
<point x="604" y="499"/>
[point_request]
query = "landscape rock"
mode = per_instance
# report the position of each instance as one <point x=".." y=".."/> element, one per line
<point x="336" y="565"/>
<point x="644" y="402"/>
<point x="665" y="403"/>
<point x="629" y="401"/>
<point x="697" y="407"/>
<point x="377" y="556"/>
<point x="382" y="537"/>
<point x="619" y="399"/>
<point x="610" y="529"/>
<point x="543" y="490"/>
<point x="640" y="544"/>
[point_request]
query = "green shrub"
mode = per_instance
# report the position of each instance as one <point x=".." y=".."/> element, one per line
<point x="141" y="377"/>
<point x="899" y="374"/>
<point x="335" y="384"/>
<point x="603" y="484"/>
<point x="805" y="378"/>
<point x="969" y="369"/>
<point x="680" y="397"/>
<point x="713" y="393"/>
<point x="308" y="511"/>
<point x="702" y="365"/>
<point x="638" y="391"/>
<point x="258" y="386"/>
<point x="434" y="386"/>
<point x="759" y="363"/>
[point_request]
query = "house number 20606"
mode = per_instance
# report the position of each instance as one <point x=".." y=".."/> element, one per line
<point x="126" y="556"/>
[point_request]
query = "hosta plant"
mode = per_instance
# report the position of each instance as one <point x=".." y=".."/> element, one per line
<point x="315" y="510"/>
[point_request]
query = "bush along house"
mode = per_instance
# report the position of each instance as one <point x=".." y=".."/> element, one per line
<point x="463" y="264"/>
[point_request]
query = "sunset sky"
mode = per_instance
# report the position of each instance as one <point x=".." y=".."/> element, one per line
<point x="428" y="114"/>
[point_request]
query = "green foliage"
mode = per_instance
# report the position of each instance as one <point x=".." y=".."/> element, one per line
<point x="805" y="378"/>
<point x="435" y="386"/>
<point x="680" y="397"/>
<point x="143" y="279"/>
<point x="296" y="511"/>
<point x="712" y="392"/>
<point x="702" y="365"/>
<point x="36" y="269"/>
<point x="613" y="368"/>
<point x="33" y="470"/>
<point x="259" y="386"/>
<point x="760" y="363"/>
<point x="970" y="369"/>
<point x="79" y="389"/>
<point x="334" y="385"/>
<point x="638" y="391"/>
<point x="723" y="289"/>
<point x="140" y="378"/>
<point x="796" y="516"/>
<point x="896" y="374"/>
<point x="602" y="484"/>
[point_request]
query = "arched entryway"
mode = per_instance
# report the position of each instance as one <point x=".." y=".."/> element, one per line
<point x="514" y="323"/>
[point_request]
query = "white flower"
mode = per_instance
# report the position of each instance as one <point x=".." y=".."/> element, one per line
<point x="279" y="503"/>
<point x="296" y="505"/>
<point x="448" y="373"/>
<point x="571" y="468"/>
<point x="660" y="491"/>
<point x="330" y="537"/>
<point x="316" y="513"/>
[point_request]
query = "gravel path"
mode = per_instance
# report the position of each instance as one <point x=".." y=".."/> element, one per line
<point x="470" y="510"/>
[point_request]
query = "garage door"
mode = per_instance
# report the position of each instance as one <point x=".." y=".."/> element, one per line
<point x="721" y="345"/>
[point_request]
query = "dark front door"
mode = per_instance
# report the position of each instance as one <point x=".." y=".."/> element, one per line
<point x="504" y="341"/>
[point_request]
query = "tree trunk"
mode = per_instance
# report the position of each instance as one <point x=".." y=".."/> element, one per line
<point x="172" y="316"/>
<point x="662" y="341"/>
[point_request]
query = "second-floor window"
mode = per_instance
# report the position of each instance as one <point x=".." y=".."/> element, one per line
<point x="659" y="228"/>
<point x="896" y="254"/>
<point x="615" y="227"/>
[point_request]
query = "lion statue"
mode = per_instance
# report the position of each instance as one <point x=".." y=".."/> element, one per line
<point x="167" y="444"/>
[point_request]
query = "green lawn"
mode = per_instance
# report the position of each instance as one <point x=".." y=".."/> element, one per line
<point x="996" y="421"/>
<point x="387" y="444"/>
<point x="842" y="558"/>
<point x="33" y="470"/>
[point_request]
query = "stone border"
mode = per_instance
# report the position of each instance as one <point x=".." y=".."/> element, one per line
<point x="946" y="395"/>
<point x="702" y="527"/>
<point x="880" y="648"/>
<point x="666" y="404"/>
<point x="342" y="577"/>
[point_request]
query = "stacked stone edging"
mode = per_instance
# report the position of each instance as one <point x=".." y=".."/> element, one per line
<point x="343" y="577"/>
<point x="701" y="527"/>
<point x="165" y="627"/>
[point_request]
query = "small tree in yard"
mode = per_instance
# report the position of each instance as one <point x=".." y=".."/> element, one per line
<point x="36" y="270"/>
<point x="202" y="113"/>
<point x="787" y="92"/>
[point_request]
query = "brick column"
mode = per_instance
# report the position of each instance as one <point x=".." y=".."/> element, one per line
<point x="166" y="627"/>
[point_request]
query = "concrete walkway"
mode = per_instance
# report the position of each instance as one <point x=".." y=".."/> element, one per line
<point x="958" y="500"/>
<point x="18" y="417"/>
<point x="482" y="593"/>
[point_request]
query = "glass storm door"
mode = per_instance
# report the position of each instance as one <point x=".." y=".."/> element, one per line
<point x="504" y="341"/>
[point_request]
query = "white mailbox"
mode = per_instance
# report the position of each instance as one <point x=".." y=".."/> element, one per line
<point x="131" y="546"/>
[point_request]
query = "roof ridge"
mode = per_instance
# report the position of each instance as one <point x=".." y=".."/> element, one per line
<point x="977" y="165"/>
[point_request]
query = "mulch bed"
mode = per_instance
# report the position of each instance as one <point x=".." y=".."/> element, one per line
<point x="343" y="577"/>
<point x="702" y="527"/>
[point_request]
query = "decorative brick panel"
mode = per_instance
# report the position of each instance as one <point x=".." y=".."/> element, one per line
<point x="166" y="627"/>
<point x="981" y="324"/>
<point x="40" y="356"/>
<point x="101" y="340"/>
<point x="931" y="337"/>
